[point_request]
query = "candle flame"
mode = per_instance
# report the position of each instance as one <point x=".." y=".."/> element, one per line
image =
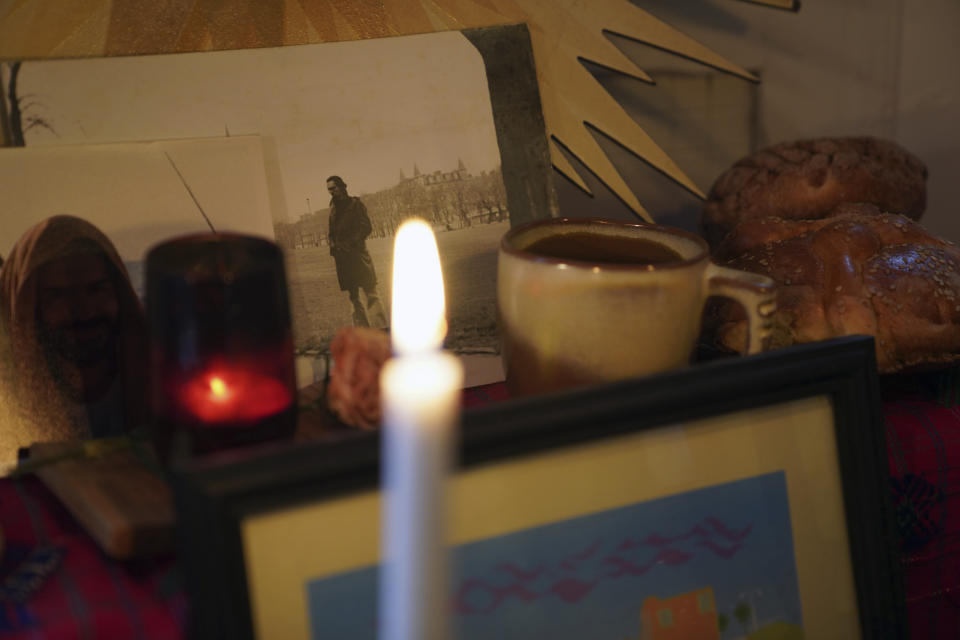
<point x="218" y="387"/>
<point x="418" y="306"/>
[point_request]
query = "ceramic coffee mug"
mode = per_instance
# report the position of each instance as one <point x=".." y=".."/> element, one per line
<point x="585" y="301"/>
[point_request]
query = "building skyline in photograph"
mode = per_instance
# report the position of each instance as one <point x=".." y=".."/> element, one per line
<point x="365" y="110"/>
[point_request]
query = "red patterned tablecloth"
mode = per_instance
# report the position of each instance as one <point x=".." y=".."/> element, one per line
<point x="923" y="450"/>
<point x="89" y="596"/>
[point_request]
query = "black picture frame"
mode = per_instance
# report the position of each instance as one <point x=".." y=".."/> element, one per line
<point x="214" y="496"/>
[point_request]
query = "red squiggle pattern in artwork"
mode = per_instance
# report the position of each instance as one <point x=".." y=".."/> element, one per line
<point x="572" y="578"/>
<point x="571" y="562"/>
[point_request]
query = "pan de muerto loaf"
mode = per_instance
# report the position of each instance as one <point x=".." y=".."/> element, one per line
<point x="806" y="179"/>
<point x="860" y="271"/>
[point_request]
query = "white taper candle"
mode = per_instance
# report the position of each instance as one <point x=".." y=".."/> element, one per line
<point x="420" y="391"/>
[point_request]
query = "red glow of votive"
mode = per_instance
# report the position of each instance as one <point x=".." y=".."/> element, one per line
<point x="225" y="397"/>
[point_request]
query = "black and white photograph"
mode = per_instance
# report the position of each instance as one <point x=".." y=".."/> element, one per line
<point x="343" y="141"/>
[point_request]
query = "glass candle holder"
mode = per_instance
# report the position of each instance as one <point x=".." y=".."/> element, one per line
<point x="221" y="346"/>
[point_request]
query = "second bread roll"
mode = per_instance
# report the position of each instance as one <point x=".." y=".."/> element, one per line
<point x="806" y="179"/>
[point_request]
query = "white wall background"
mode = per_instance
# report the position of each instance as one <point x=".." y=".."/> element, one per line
<point x="887" y="68"/>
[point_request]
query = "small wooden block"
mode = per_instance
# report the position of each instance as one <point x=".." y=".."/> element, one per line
<point x="117" y="499"/>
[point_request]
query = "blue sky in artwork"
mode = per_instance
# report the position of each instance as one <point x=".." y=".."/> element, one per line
<point x="588" y="576"/>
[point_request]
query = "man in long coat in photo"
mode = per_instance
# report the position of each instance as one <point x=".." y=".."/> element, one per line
<point x="349" y="228"/>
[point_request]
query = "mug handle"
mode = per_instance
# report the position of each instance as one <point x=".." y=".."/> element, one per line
<point x="757" y="294"/>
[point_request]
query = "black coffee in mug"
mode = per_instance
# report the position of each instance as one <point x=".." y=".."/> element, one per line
<point x="603" y="249"/>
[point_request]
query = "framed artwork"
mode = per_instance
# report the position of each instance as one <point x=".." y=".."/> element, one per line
<point x="742" y="497"/>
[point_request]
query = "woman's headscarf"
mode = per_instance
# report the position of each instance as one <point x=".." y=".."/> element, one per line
<point x="34" y="408"/>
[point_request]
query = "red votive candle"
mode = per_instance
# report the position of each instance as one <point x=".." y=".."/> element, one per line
<point x="224" y="395"/>
<point x="221" y="369"/>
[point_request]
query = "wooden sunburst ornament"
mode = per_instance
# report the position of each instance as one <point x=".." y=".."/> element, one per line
<point x="563" y="32"/>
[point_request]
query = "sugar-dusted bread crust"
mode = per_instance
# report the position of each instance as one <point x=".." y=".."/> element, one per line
<point x="860" y="271"/>
<point x="806" y="179"/>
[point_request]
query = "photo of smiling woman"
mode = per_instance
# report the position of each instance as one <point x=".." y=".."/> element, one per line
<point x="73" y="336"/>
